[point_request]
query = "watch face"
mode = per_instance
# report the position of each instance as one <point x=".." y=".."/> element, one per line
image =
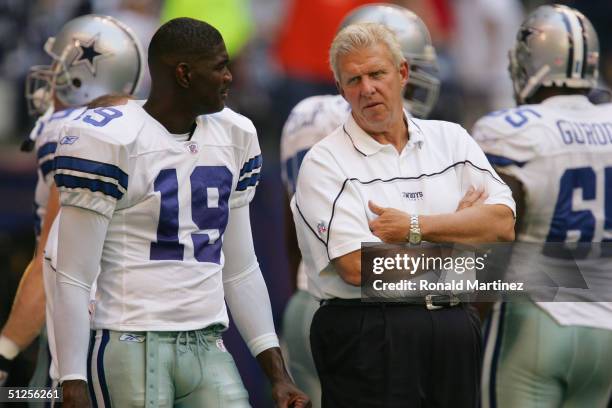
<point x="415" y="237"/>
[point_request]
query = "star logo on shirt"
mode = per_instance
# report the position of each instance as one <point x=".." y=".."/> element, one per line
<point x="88" y="53"/>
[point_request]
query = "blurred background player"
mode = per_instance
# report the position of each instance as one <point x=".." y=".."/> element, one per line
<point x="555" y="151"/>
<point x="92" y="55"/>
<point x="309" y="122"/>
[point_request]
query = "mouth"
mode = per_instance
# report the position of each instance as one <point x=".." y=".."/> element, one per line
<point x="372" y="105"/>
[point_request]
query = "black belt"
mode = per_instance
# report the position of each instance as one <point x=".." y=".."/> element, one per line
<point x="431" y="302"/>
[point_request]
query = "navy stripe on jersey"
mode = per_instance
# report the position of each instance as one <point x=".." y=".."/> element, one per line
<point x="248" y="182"/>
<point x="46" y="167"/>
<point x="68" y="181"/>
<point x="47" y="148"/>
<point x="253" y="164"/>
<point x="501" y="161"/>
<point x="92" y="167"/>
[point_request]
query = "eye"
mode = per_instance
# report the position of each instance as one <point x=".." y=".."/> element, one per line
<point x="377" y="74"/>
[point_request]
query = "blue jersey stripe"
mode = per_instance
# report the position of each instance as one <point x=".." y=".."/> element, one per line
<point x="251" y="165"/>
<point x="502" y="161"/>
<point x="67" y="181"/>
<point x="46" y="149"/>
<point x="46" y="167"/>
<point x="248" y="182"/>
<point x="92" y="167"/>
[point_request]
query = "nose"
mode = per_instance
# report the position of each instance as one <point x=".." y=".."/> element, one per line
<point x="227" y="76"/>
<point x="367" y="86"/>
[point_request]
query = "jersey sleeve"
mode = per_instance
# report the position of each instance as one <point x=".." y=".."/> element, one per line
<point x="479" y="173"/>
<point x="250" y="172"/>
<point x="91" y="170"/>
<point x="328" y="212"/>
<point x="510" y="138"/>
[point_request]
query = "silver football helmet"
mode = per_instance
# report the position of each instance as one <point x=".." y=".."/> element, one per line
<point x="421" y="93"/>
<point x="93" y="55"/>
<point x="555" y="46"/>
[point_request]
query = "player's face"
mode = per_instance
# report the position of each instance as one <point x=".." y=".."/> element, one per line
<point x="211" y="78"/>
<point x="372" y="84"/>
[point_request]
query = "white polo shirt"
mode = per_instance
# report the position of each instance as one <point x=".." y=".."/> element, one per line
<point x="346" y="169"/>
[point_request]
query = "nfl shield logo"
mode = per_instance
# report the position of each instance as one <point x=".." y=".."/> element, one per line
<point x="193" y="147"/>
<point x="322" y="227"/>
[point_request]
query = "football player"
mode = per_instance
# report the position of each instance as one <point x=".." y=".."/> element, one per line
<point x="310" y="121"/>
<point x="158" y="196"/>
<point x="92" y="55"/>
<point x="555" y="151"/>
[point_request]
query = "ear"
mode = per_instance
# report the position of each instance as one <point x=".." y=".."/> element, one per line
<point x="182" y="73"/>
<point x="403" y="71"/>
<point x="340" y="90"/>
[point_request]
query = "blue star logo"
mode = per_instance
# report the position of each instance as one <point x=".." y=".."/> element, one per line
<point x="88" y="54"/>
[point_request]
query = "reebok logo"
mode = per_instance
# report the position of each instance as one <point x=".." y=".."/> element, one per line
<point x="131" y="337"/>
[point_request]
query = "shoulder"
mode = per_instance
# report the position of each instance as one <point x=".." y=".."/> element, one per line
<point x="311" y="120"/>
<point x="231" y="121"/>
<point x="506" y="123"/>
<point x="440" y="131"/>
<point x="119" y="125"/>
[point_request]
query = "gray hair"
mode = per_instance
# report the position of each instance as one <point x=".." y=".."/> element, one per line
<point x="362" y="35"/>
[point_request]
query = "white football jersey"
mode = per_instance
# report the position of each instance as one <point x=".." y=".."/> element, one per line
<point x="168" y="202"/>
<point x="561" y="151"/>
<point x="46" y="135"/>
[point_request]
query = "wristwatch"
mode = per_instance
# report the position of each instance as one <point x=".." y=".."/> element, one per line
<point x="414" y="236"/>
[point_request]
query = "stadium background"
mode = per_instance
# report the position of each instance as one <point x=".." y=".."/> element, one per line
<point x="278" y="48"/>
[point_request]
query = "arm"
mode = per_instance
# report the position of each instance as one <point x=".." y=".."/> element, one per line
<point x="247" y="298"/>
<point x="28" y="312"/>
<point x="74" y="276"/>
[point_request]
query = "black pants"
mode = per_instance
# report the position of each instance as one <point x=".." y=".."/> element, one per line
<point x="392" y="356"/>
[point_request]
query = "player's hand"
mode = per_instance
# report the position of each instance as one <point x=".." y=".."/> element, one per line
<point x="287" y="395"/>
<point x="391" y="225"/>
<point x="474" y="196"/>
<point x="75" y="394"/>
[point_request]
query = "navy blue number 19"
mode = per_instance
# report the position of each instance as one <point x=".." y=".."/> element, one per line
<point x="210" y="191"/>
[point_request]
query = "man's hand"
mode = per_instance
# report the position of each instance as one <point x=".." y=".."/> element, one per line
<point x="287" y="395"/>
<point x="474" y="196"/>
<point x="284" y="391"/>
<point x="75" y="394"/>
<point x="5" y="368"/>
<point x="391" y="225"/>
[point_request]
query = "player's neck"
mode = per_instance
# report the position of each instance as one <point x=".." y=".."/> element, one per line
<point x="171" y="116"/>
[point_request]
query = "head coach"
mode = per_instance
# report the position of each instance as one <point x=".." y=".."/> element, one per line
<point x="384" y="176"/>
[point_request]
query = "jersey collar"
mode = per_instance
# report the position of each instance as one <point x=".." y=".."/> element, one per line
<point x="367" y="146"/>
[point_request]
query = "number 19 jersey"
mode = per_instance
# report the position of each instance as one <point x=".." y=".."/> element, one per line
<point x="168" y="201"/>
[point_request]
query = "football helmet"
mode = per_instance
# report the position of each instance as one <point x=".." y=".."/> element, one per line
<point x="421" y="93"/>
<point x="92" y="55"/>
<point x="555" y="46"/>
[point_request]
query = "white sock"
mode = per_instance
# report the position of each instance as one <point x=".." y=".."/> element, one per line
<point x="8" y="348"/>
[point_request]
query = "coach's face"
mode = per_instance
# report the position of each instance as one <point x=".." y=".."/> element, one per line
<point x="372" y="84"/>
<point x="211" y="79"/>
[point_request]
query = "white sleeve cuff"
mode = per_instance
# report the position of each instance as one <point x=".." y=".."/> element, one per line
<point x="71" y="377"/>
<point x="262" y="343"/>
